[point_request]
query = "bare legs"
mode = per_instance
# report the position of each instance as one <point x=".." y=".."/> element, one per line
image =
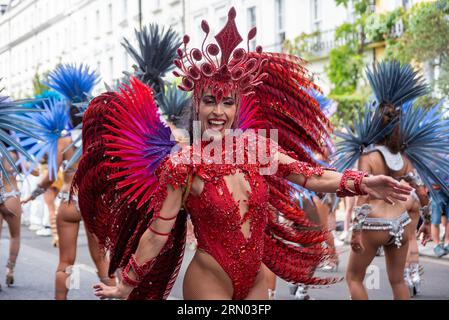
<point x="68" y="219"/>
<point x="67" y="222"/>
<point x="13" y="206"/>
<point x="436" y="231"/>
<point x="395" y="260"/>
<point x="395" y="263"/>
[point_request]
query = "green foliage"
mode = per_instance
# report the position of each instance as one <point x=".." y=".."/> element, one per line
<point x="379" y="26"/>
<point x="425" y="38"/>
<point x="348" y="106"/>
<point x="443" y="81"/>
<point x="360" y="6"/>
<point x="427" y="29"/>
<point x="426" y="101"/>
<point x="344" y="69"/>
<point x="38" y="86"/>
<point x="349" y="33"/>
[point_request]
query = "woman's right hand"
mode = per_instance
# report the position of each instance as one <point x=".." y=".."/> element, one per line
<point x="119" y="291"/>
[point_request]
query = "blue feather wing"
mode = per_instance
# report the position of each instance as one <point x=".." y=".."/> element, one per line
<point x="10" y="125"/>
<point x="49" y="127"/>
<point x="425" y="137"/>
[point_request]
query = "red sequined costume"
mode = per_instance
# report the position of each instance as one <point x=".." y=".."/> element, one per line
<point x="218" y="220"/>
<point x="126" y="167"/>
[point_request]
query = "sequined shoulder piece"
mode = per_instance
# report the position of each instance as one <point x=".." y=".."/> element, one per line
<point x="394" y="161"/>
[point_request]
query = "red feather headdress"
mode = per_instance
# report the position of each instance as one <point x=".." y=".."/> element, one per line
<point x="237" y="71"/>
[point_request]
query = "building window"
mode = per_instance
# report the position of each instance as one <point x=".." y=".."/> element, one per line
<point x="110" y="17"/>
<point x="157" y="4"/>
<point x="84" y="29"/>
<point x="99" y="67"/>
<point x="125" y="61"/>
<point x="124" y="9"/>
<point x="222" y="16"/>
<point x="197" y="24"/>
<point x="316" y="14"/>
<point x="111" y="69"/>
<point x="97" y="22"/>
<point x="252" y="22"/>
<point x="280" y="23"/>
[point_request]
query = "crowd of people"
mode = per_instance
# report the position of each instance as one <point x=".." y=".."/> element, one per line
<point x="150" y="168"/>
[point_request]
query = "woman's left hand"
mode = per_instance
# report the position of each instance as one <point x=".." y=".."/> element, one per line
<point x="25" y="201"/>
<point x="385" y="188"/>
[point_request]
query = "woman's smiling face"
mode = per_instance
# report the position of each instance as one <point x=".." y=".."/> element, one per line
<point x="216" y="117"/>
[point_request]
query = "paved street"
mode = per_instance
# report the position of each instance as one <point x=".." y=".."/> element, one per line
<point x="37" y="263"/>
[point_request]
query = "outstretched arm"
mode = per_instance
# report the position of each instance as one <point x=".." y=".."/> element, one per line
<point x="150" y="246"/>
<point x="355" y="183"/>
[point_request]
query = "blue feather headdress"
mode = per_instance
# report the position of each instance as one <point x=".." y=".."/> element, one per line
<point x="395" y="83"/>
<point x="76" y="84"/>
<point x="154" y="58"/>
<point x="73" y="82"/>
<point x="367" y="131"/>
<point x="10" y="122"/>
<point x="174" y="105"/>
<point x="50" y="126"/>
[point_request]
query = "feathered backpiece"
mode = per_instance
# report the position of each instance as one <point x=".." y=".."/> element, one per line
<point x="175" y="106"/>
<point x="140" y="141"/>
<point x="155" y="54"/>
<point x="50" y="125"/>
<point x="124" y="142"/>
<point x="394" y="83"/>
<point x="236" y="71"/>
<point x="73" y="82"/>
<point x="282" y="102"/>
<point x="425" y="141"/>
<point x="10" y="122"/>
<point x="368" y="130"/>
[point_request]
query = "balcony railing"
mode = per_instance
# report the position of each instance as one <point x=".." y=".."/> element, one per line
<point x="321" y="44"/>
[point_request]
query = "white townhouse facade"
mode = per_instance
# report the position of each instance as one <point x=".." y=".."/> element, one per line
<point x="36" y="35"/>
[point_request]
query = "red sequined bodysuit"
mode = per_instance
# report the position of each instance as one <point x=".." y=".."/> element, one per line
<point x="229" y="227"/>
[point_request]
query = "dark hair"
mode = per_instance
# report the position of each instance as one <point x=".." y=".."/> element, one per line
<point x="75" y="119"/>
<point x="393" y="140"/>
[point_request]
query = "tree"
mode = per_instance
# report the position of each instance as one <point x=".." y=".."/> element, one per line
<point x="38" y="87"/>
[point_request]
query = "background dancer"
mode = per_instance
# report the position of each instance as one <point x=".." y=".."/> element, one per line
<point x="74" y="83"/>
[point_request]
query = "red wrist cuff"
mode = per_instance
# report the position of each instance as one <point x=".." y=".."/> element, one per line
<point x="356" y="177"/>
<point x="140" y="270"/>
